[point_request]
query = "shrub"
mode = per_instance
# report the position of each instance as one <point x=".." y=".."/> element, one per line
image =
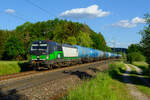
<point x="9" y="67"/>
<point x="135" y="56"/>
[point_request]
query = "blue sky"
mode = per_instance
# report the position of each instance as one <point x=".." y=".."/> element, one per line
<point x="118" y="20"/>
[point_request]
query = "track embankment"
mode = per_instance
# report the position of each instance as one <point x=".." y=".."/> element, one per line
<point x="49" y="84"/>
<point x="11" y="76"/>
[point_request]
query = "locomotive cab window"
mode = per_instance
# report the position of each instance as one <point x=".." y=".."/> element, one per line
<point x="43" y="47"/>
<point x="39" y="47"/>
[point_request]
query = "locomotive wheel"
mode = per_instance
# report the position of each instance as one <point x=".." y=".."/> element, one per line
<point x="49" y="66"/>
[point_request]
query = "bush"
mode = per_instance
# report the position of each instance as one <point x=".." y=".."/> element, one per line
<point x="116" y="69"/>
<point x="135" y="56"/>
<point x="9" y="67"/>
<point x="14" y="49"/>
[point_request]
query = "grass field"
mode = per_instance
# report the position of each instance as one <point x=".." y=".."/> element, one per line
<point x="141" y="63"/>
<point x="103" y="87"/>
<point x="10" y="67"/>
<point x="133" y="72"/>
<point x="143" y="66"/>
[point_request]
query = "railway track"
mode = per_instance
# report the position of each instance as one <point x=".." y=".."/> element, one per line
<point x="27" y="73"/>
<point x="6" y="77"/>
<point x="22" y="81"/>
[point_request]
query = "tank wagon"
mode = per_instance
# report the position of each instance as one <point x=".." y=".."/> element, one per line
<point x="49" y="54"/>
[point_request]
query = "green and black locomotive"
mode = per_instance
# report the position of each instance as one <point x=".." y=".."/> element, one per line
<point x="49" y="54"/>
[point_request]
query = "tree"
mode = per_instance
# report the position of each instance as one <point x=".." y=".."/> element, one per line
<point x="16" y="43"/>
<point x="65" y="31"/>
<point x="1" y="43"/>
<point x="3" y="37"/>
<point x="84" y="39"/>
<point x="14" y="48"/>
<point x="145" y="42"/>
<point x="71" y="40"/>
<point x="99" y="42"/>
<point x="134" y="53"/>
<point x="134" y="48"/>
<point x="135" y="56"/>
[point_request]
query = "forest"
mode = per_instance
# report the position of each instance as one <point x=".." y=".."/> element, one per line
<point x="15" y="44"/>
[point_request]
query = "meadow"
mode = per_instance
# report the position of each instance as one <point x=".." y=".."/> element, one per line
<point x="11" y="67"/>
<point x="105" y="86"/>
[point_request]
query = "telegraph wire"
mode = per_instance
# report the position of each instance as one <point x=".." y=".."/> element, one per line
<point x="19" y="17"/>
<point x="35" y="5"/>
<point x="27" y="19"/>
<point x="25" y="16"/>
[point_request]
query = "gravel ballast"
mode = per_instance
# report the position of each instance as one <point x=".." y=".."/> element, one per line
<point x="54" y="89"/>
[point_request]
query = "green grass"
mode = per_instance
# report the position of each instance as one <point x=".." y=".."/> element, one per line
<point x="116" y="69"/>
<point x="140" y="84"/>
<point x="102" y="87"/>
<point x="144" y="89"/>
<point x="117" y="72"/>
<point x="143" y="66"/>
<point x="133" y="70"/>
<point x="9" y="67"/>
<point x="141" y="63"/>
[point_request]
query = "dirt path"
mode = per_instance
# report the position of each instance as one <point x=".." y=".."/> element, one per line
<point x="139" y="71"/>
<point x="132" y="89"/>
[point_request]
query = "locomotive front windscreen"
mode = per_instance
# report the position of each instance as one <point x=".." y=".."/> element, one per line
<point x="38" y="47"/>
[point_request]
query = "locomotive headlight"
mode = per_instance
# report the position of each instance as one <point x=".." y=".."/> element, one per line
<point x="47" y="56"/>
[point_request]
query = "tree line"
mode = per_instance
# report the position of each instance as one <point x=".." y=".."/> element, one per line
<point x="141" y="51"/>
<point x="15" y="44"/>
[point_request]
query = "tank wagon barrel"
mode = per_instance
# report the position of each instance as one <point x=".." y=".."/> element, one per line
<point x="50" y="54"/>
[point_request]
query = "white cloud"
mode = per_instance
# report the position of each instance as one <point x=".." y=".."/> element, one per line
<point x="92" y="11"/>
<point x="129" y="24"/>
<point x="10" y="11"/>
<point x="137" y="20"/>
<point x="125" y="24"/>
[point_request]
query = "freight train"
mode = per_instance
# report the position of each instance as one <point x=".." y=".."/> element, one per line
<point x="50" y="54"/>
